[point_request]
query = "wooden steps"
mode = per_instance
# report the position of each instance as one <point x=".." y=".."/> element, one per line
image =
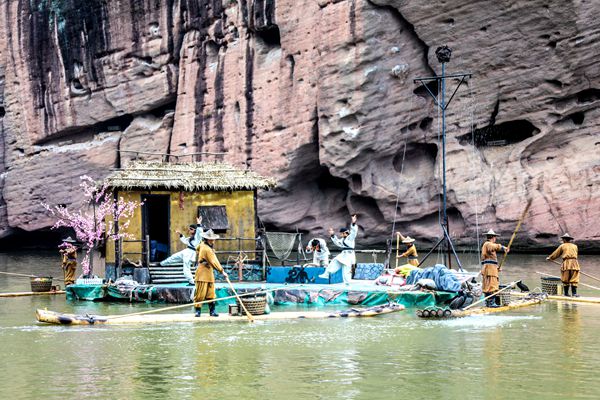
<point x="167" y="274"/>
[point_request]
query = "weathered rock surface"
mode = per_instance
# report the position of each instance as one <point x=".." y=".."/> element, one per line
<point x="320" y="95"/>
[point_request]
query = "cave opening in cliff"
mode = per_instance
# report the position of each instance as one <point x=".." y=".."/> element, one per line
<point x="270" y="36"/>
<point x="84" y="133"/>
<point x="588" y="95"/>
<point x="419" y="156"/>
<point x="327" y="181"/>
<point x="503" y="134"/>
<point x="421" y="91"/>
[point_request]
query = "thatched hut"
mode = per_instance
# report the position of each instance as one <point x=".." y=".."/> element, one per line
<point x="173" y="195"/>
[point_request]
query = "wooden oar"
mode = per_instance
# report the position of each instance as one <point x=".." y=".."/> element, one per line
<point x="581" y="272"/>
<point x="512" y="238"/>
<point x="553" y="276"/>
<point x="201" y="302"/>
<point x="510" y="286"/>
<point x="28" y="276"/>
<point x="250" y="318"/>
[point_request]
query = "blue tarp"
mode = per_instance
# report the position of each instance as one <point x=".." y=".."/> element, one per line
<point x="368" y="271"/>
<point x="297" y="274"/>
<point x="444" y="278"/>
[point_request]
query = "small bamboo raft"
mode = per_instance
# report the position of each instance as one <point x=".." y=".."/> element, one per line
<point x="52" y="317"/>
<point x="20" y="294"/>
<point x="589" y="300"/>
<point x="481" y="310"/>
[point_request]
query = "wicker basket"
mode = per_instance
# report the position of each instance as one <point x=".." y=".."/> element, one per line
<point x="41" y="284"/>
<point x="505" y="298"/>
<point x="552" y="286"/>
<point x="254" y="305"/>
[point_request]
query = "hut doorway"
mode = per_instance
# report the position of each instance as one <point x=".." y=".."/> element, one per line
<point x="155" y="224"/>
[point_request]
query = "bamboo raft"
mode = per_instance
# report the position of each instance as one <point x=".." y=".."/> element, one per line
<point x="589" y="300"/>
<point x="20" y="294"/>
<point x="483" y="310"/>
<point x="52" y="317"/>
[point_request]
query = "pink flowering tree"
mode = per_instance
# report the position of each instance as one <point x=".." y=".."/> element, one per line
<point x="92" y="225"/>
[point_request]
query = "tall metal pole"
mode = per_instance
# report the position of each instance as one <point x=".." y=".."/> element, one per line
<point x="443" y="107"/>
<point x="443" y="55"/>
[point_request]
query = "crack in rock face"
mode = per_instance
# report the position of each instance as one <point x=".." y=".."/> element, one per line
<point x="319" y="95"/>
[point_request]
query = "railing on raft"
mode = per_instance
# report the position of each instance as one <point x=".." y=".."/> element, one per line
<point x="260" y="251"/>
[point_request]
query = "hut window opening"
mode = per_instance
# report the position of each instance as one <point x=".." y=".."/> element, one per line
<point x="214" y="217"/>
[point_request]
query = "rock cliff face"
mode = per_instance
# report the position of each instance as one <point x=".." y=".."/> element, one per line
<point x="320" y="95"/>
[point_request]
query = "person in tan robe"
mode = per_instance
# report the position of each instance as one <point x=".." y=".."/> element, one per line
<point x="411" y="250"/>
<point x="204" y="277"/>
<point x="69" y="260"/>
<point x="489" y="266"/>
<point x="569" y="269"/>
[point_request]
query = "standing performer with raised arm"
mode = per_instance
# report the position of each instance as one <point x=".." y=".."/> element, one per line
<point x="187" y="256"/>
<point x="347" y="257"/>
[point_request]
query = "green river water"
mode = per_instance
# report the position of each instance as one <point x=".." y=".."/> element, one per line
<point x="543" y="352"/>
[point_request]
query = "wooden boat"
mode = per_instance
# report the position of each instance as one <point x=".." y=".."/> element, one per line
<point x="524" y="302"/>
<point x="52" y="317"/>
<point x="19" y="294"/>
<point x="589" y="300"/>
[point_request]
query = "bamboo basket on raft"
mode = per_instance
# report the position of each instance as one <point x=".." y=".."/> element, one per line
<point x="255" y="305"/>
<point x="41" y="284"/>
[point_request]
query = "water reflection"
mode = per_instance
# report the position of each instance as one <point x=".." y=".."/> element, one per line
<point x="543" y="352"/>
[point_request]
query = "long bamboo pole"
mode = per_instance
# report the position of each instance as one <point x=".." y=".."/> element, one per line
<point x="512" y="238"/>
<point x="28" y="276"/>
<point x="240" y="300"/>
<point x="510" y="286"/>
<point x="553" y="276"/>
<point x="581" y="272"/>
<point x="201" y="302"/>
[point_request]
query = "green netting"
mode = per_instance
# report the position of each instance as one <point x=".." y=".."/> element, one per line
<point x="307" y="295"/>
<point x="86" y="292"/>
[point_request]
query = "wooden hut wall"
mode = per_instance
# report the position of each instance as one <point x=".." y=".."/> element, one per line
<point x="241" y="214"/>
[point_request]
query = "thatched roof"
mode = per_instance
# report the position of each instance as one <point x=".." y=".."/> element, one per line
<point x="190" y="177"/>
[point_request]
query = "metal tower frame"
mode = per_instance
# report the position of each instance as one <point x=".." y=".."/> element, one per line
<point x="443" y="55"/>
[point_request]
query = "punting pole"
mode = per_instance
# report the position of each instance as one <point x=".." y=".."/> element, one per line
<point x="512" y="238"/>
<point x="240" y="300"/>
<point x="510" y="286"/>
<point x="27" y="275"/>
<point x="554" y="276"/>
<point x="203" y="302"/>
<point x="581" y="272"/>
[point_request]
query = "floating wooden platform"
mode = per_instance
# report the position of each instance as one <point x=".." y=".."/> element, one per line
<point x="484" y="310"/>
<point x="591" y="300"/>
<point x="52" y="317"/>
<point x="19" y="294"/>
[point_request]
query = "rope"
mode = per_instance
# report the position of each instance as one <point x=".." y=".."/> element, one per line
<point x="196" y="304"/>
<point x="401" y="170"/>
